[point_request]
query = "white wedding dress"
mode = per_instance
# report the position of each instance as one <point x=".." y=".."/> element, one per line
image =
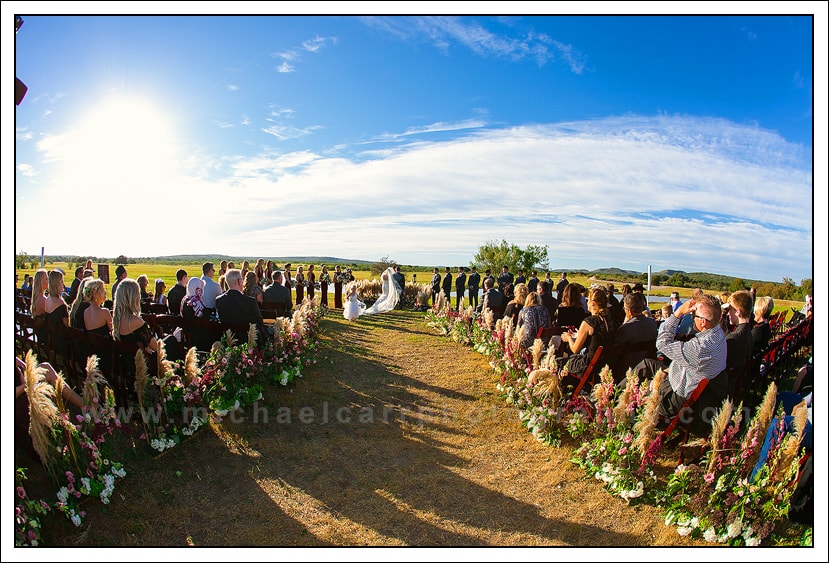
<point x="386" y="302"/>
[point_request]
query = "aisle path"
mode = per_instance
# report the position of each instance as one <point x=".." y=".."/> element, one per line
<point x="395" y="437"/>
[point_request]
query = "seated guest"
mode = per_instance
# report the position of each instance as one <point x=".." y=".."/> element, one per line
<point x="531" y="319"/>
<point x="120" y="274"/>
<point x="192" y="307"/>
<point x="55" y="311"/>
<point x="27" y="283"/>
<point x="251" y="286"/>
<point x="509" y="292"/>
<point x="739" y="342"/>
<point x="143" y="282"/>
<point x="614" y="305"/>
<point x="639" y="288"/>
<point x="702" y="357"/>
<point x="94" y="317"/>
<point x="211" y="289"/>
<point x="127" y="324"/>
<point x="278" y="293"/>
<point x="637" y="334"/>
<point x="234" y="307"/>
<point x="569" y="311"/>
<point x="761" y="333"/>
<point x="493" y="300"/>
<point x="159" y="296"/>
<point x="40" y="285"/>
<point x="76" y="283"/>
<point x="545" y="296"/>
<point x="517" y="303"/>
<point x="177" y="293"/>
<point x="599" y="329"/>
<point x="80" y="304"/>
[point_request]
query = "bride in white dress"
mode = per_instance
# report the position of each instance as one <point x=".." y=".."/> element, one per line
<point x="386" y="302"/>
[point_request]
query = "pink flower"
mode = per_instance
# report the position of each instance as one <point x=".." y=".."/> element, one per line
<point x="623" y="450"/>
<point x="21" y="492"/>
<point x="709" y="477"/>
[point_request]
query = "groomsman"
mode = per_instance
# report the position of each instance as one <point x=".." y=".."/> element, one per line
<point x="435" y="285"/>
<point x="474" y="282"/>
<point x="520" y="278"/>
<point x="447" y="285"/>
<point x="505" y="278"/>
<point x="460" y="287"/>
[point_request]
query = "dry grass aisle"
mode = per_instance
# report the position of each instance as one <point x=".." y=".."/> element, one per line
<point x="442" y="461"/>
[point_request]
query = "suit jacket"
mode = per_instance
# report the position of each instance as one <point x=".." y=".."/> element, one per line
<point x="400" y="279"/>
<point x="504" y="279"/>
<point x="447" y="283"/>
<point x="278" y="293"/>
<point x="460" y="283"/>
<point x="235" y="308"/>
<point x="550" y="304"/>
<point x="474" y="281"/>
<point x="560" y="287"/>
<point x="638" y="330"/>
<point x="532" y="284"/>
<point x="174" y="297"/>
<point x="435" y="283"/>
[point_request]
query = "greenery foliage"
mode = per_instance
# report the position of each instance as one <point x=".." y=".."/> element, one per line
<point x="494" y="255"/>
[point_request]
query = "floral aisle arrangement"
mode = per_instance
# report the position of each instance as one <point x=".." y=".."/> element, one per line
<point x="611" y="454"/>
<point x="75" y="456"/>
<point x="170" y="404"/>
<point x="234" y="374"/>
<point x="27" y="513"/>
<point x="734" y="496"/>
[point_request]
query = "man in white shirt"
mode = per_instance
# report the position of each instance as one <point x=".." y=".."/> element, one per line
<point x="211" y="289"/>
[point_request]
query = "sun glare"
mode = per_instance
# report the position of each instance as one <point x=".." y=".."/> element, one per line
<point x="126" y="142"/>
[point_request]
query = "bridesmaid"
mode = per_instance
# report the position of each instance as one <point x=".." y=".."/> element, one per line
<point x="300" y="286"/>
<point x="311" y="281"/>
<point x="338" y="287"/>
<point x="325" y="279"/>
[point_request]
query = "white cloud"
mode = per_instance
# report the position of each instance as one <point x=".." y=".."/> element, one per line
<point x="680" y="193"/>
<point x="26" y="170"/>
<point x="232" y="87"/>
<point x="285" y="67"/>
<point x="285" y="132"/>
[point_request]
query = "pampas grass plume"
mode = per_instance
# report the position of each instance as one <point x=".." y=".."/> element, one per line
<point x="645" y="427"/>
<point x="43" y="414"/>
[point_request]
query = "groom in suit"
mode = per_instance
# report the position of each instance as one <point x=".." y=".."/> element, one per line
<point x="400" y="279"/>
<point x="236" y="308"/>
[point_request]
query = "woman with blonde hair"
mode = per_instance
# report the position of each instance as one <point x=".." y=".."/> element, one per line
<point x="143" y="282"/>
<point x="127" y="324"/>
<point x="93" y="317"/>
<point x="252" y="288"/>
<point x="761" y="332"/>
<point x="39" y="287"/>
<point x="514" y="307"/>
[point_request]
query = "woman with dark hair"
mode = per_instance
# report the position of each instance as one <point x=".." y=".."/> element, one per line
<point x="599" y="329"/>
<point x="533" y="316"/>
<point x="311" y="281"/>
<point x="325" y="279"/>
<point x="300" y="286"/>
<point x="252" y="287"/>
<point x="570" y="311"/>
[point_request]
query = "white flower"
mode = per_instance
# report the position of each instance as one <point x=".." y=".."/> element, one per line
<point x="752" y="541"/>
<point x="683" y="531"/>
<point x="221" y="412"/>
<point x="735" y="528"/>
<point x="695" y="522"/>
<point x="710" y="535"/>
<point x="63" y="494"/>
<point x="76" y="520"/>
<point x="119" y="472"/>
<point x="85" y="487"/>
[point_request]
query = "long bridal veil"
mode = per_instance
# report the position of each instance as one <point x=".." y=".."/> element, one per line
<point x="389" y="298"/>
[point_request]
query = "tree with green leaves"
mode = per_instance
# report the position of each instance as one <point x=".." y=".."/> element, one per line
<point x="494" y="255"/>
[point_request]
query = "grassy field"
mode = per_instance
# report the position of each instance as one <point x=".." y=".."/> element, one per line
<point x="424" y="276"/>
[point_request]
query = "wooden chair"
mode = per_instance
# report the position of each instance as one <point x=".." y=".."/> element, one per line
<point x="588" y="373"/>
<point x="680" y="421"/>
<point x="158" y="309"/>
<point x="275" y="309"/>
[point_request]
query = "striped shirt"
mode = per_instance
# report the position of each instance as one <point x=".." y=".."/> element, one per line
<point x="701" y="357"/>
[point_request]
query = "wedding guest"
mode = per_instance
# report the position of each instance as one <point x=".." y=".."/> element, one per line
<point x="40" y="285"/>
<point x="234" y="307"/>
<point x="738" y="341"/>
<point x="94" y="317"/>
<point x="460" y="287"/>
<point x="259" y="269"/>
<point x="808" y="307"/>
<point x="435" y="285"/>
<point x="269" y="271"/>
<point x="635" y="334"/>
<point x="143" y="282"/>
<point x="245" y="269"/>
<point x="251" y="287"/>
<point x="639" y="288"/>
<point x="509" y="292"/>
<point x="160" y="287"/>
<point x="76" y="283"/>
<point x="447" y="285"/>
<point x="300" y="286"/>
<point x="127" y="324"/>
<point x="27" y="283"/>
<point x="192" y="307"/>
<point x="474" y="284"/>
<point x="614" y="305"/>
<point x="338" y="287"/>
<point x="120" y="275"/>
<point x="493" y="300"/>
<point x="325" y="280"/>
<point x="517" y="303"/>
<point x="532" y="318"/>
<point x="230" y="266"/>
<point x="55" y="311"/>
<point x="545" y="296"/>
<point x="488" y="274"/>
<point x="80" y="304"/>
<point x="569" y="313"/>
<point x="278" y="293"/>
<point x="599" y="329"/>
<point x="222" y="268"/>
<point x="177" y="292"/>
<point x="675" y="301"/>
<point x="761" y="332"/>
<point x="211" y="290"/>
<point x="311" y="281"/>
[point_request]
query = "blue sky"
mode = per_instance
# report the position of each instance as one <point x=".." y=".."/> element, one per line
<point x="684" y="142"/>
